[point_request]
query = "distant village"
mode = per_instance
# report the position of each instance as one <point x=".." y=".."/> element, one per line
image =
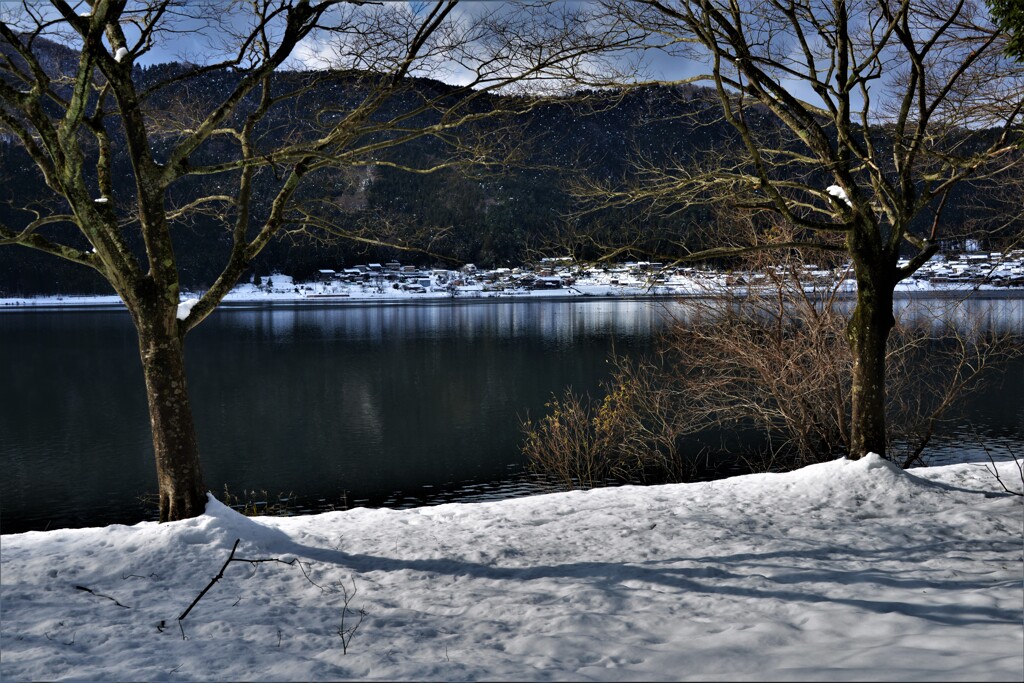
<point x="969" y="268"/>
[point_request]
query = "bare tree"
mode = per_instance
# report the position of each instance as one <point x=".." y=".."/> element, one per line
<point x="856" y="122"/>
<point x="243" y="141"/>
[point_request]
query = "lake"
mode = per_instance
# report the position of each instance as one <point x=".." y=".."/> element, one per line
<point x="342" y="405"/>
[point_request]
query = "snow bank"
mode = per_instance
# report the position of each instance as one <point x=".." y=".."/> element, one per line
<point x="841" y="571"/>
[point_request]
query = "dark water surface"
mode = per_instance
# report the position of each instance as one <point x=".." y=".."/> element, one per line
<point x="391" y="405"/>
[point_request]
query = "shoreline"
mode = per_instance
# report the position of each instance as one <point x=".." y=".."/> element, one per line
<point x="594" y="293"/>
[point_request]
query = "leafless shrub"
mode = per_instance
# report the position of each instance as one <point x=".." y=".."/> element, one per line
<point x="569" y="444"/>
<point x="769" y="354"/>
<point x="628" y="435"/>
<point x="937" y="363"/>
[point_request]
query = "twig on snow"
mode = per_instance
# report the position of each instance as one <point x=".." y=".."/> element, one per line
<point x="101" y="595"/>
<point x="346" y="633"/>
<point x="994" y="471"/>
<point x="231" y="558"/>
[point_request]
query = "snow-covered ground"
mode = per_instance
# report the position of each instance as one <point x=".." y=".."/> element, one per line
<point x="839" y="571"/>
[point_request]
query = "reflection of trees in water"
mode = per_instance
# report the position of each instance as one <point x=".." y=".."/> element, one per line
<point x="555" y="321"/>
<point x="997" y="315"/>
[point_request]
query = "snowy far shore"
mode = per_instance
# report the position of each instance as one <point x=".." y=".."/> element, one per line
<point x="847" y="570"/>
<point x="966" y="275"/>
<point x="318" y="294"/>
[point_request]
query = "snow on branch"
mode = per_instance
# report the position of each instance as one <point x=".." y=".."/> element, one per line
<point x="839" y="193"/>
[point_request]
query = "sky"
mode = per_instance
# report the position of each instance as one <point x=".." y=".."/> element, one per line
<point x="845" y="570"/>
<point x="193" y="40"/>
<point x="199" y="42"/>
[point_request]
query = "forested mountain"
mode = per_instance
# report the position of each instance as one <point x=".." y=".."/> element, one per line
<point x="497" y="215"/>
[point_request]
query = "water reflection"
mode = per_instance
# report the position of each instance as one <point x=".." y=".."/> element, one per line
<point x="356" y="401"/>
<point x="559" y="322"/>
<point x="1003" y="316"/>
<point x="394" y="405"/>
<point x="971" y="314"/>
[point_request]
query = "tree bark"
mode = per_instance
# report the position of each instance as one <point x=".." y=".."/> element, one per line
<point x="868" y="334"/>
<point x="176" y="449"/>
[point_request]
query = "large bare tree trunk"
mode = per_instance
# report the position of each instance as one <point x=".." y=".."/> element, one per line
<point x="179" y="475"/>
<point x="868" y="335"/>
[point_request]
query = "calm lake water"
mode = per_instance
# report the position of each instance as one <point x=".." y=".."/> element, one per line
<point x="343" y="405"/>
